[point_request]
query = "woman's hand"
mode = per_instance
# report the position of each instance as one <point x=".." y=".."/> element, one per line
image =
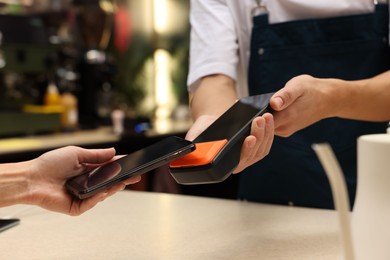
<point x="48" y="173"/>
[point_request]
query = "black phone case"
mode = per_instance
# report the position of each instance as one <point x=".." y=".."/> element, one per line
<point x="234" y="125"/>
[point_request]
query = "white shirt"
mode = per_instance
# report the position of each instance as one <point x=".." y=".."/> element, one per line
<point x="221" y="29"/>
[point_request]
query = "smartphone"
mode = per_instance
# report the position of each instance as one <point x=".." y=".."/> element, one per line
<point x="137" y="163"/>
<point x="8" y="223"/>
<point x="236" y="121"/>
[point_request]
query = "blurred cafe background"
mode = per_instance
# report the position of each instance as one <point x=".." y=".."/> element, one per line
<point x="96" y="73"/>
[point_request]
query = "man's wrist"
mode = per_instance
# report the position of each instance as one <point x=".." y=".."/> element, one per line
<point x="337" y="94"/>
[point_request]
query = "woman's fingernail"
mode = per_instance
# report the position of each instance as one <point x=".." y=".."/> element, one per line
<point x="260" y="123"/>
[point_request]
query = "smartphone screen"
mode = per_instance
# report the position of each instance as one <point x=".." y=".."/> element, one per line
<point x="131" y="165"/>
<point x="8" y="223"/>
<point x="236" y="121"/>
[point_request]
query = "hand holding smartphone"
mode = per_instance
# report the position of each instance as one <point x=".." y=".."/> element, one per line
<point x="134" y="164"/>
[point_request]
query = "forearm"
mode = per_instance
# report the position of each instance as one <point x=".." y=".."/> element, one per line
<point x="215" y="94"/>
<point x="367" y="99"/>
<point x="14" y="184"/>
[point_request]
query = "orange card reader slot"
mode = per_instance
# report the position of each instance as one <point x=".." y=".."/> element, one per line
<point x="204" y="154"/>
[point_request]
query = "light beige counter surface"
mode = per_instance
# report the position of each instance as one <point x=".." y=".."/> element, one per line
<point x="142" y="225"/>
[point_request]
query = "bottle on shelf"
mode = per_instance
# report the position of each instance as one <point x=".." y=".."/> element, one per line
<point x="52" y="96"/>
<point x="69" y="118"/>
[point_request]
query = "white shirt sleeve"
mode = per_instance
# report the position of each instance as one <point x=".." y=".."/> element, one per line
<point x="213" y="47"/>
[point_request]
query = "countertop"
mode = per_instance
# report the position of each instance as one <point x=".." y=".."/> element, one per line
<point x="148" y="225"/>
<point x="27" y="147"/>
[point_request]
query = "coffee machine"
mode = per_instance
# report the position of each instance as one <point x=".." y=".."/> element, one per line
<point x="96" y="68"/>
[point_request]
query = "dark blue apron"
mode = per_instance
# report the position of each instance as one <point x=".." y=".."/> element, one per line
<point x="350" y="48"/>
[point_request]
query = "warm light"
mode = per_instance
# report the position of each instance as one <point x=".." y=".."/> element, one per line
<point x="163" y="82"/>
<point x="160" y="16"/>
<point x="107" y="6"/>
<point x="162" y="58"/>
